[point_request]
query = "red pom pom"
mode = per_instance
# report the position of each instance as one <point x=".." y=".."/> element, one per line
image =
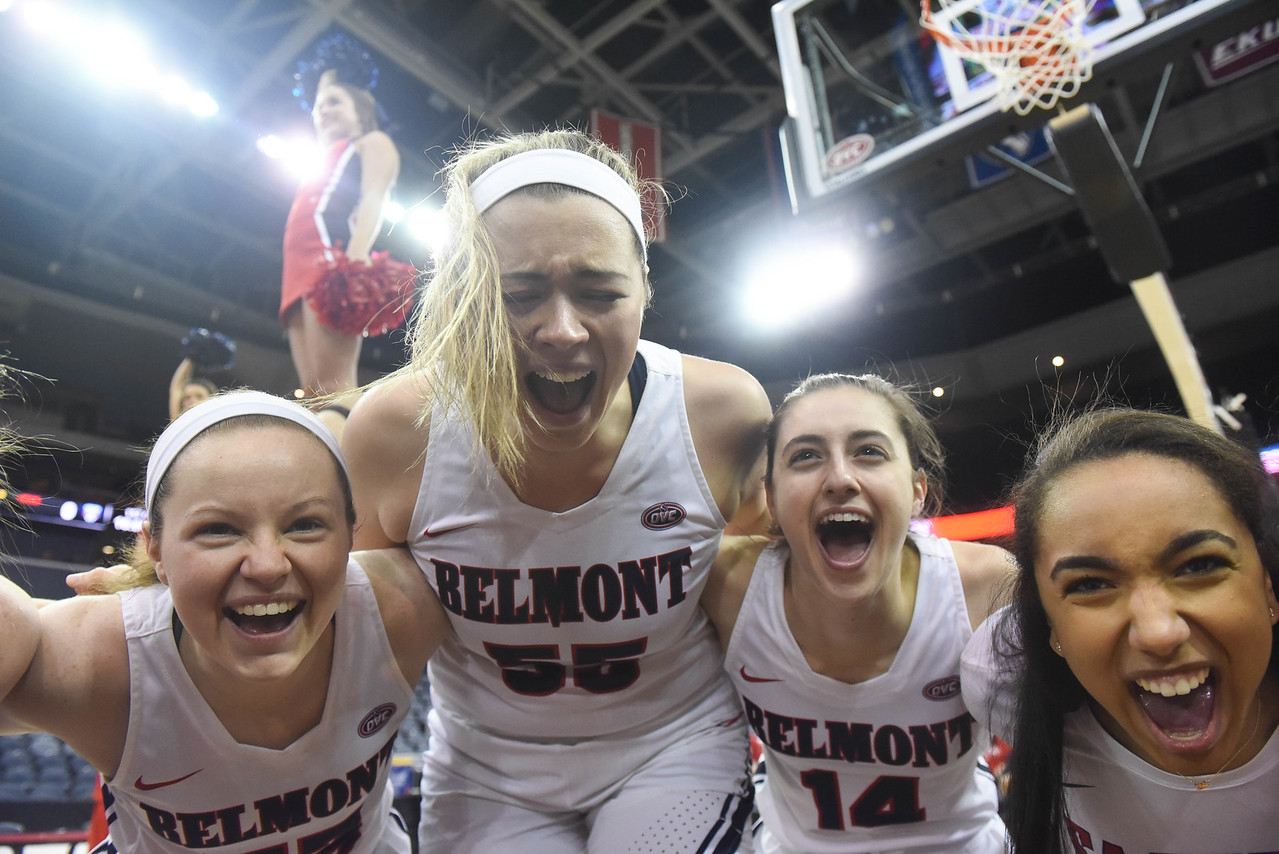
<point x="364" y="299"/>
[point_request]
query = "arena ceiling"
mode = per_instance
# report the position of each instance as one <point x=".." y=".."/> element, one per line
<point x="127" y="223"/>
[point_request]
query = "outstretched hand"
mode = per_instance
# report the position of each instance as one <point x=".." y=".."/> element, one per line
<point x="95" y="581"/>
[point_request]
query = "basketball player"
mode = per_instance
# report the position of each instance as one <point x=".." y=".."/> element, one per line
<point x="564" y="486"/>
<point x="843" y="637"/>
<point x="1139" y="654"/>
<point x="245" y="693"/>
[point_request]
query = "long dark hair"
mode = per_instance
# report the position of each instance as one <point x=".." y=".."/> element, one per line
<point x="1044" y="687"/>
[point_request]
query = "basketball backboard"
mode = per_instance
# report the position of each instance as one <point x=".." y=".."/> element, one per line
<point x="869" y="91"/>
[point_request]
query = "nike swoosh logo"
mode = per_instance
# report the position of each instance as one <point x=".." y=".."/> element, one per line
<point x="147" y="787"/>
<point x="742" y="670"/>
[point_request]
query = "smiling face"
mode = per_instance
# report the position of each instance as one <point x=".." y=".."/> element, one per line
<point x="843" y="490"/>
<point x="334" y="115"/>
<point x="574" y="292"/>
<point x="253" y="547"/>
<point x="1154" y="589"/>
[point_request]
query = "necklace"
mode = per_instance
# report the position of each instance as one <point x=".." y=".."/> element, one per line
<point x="1205" y="782"/>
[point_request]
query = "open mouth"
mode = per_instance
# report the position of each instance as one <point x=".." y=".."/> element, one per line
<point x="560" y="394"/>
<point x="1180" y="706"/>
<point x="264" y="619"/>
<point x="845" y="537"/>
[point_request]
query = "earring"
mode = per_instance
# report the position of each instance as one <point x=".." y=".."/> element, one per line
<point x="1272" y="613"/>
<point x="1058" y="645"/>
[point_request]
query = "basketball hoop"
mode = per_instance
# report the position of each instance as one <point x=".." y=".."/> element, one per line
<point x="1035" y="49"/>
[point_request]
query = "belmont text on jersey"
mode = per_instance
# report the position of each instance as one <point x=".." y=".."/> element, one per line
<point x="918" y="746"/>
<point x="283" y="813"/>
<point x="563" y="594"/>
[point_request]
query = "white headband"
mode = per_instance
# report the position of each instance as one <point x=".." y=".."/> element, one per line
<point x="204" y="415"/>
<point x="559" y="166"/>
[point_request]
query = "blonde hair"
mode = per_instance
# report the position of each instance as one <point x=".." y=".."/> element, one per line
<point x="460" y="336"/>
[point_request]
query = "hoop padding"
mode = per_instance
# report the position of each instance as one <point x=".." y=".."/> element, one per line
<point x="1036" y="50"/>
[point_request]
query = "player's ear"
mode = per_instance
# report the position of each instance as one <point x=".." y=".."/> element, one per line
<point x="152" y="545"/>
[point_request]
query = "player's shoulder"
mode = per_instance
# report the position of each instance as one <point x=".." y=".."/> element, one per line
<point x="982" y="560"/>
<point x="729" y="578"/>
<point x="83" y="647"/>
<point x="388" y="427"/>
<point x="712" y="375"/>
<point x="396" y="402"/>
<point x="987" y="573"/>
<point x="723" y="390"/>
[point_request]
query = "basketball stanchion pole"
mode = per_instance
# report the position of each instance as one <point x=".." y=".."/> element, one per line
<point x="1161" y="313"/>
<point x="1130" y="242"/>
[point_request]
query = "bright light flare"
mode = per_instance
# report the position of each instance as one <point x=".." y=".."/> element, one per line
<point x="429" y="226"/>
<point x="203" y="105"/>
<point x="48" y="19"/>
<point x="174" y="90"/>
<point x="131" y="71"/>
<point x="799" y="282"/>
<point x="272" y="146"/>
<point x="301" y="158"/>
<point x="119" y="55"/>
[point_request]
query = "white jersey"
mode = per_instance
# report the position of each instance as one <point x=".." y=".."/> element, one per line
<point x="578" y="624"/>
<point x="185" y="783"/>
<point x="1120" y="804"/>
<point x="889" y="764"/>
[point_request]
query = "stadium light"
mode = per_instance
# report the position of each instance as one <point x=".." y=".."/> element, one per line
<point x="798" y="281"/>
<point x="429" y="226"/>
<point x="110" y="51"/>
<point x="202" y="104"/>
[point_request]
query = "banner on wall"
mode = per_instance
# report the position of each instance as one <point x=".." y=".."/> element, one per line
<point x="1240" y="53"/>
<point x="640" y="143"/>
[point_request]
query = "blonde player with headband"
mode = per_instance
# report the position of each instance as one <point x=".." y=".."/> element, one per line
<point x="564" y="486"/>
<point x="244" y="692"/>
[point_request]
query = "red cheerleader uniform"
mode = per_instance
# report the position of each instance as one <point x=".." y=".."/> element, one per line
<point x="352" y="298"/>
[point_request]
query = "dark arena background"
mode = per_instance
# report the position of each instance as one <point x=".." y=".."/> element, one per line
<point x="146" y="170"/>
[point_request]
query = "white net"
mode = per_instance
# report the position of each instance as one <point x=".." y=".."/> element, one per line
<point x="1035" y="50"/>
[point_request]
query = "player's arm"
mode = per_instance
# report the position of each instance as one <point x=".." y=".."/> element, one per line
<point x="726" y="584"/>
<point x="728" y="415"/>
<point x="415" y="622"/>
<point x="384" y="449"/>
<point x="77" y="684"/>
<point x="20" y="628"/>
<point x="987" y="573"/>
<point x="379" y="168"/>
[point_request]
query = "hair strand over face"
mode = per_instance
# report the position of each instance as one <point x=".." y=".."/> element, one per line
<point x="460" y="337"/>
